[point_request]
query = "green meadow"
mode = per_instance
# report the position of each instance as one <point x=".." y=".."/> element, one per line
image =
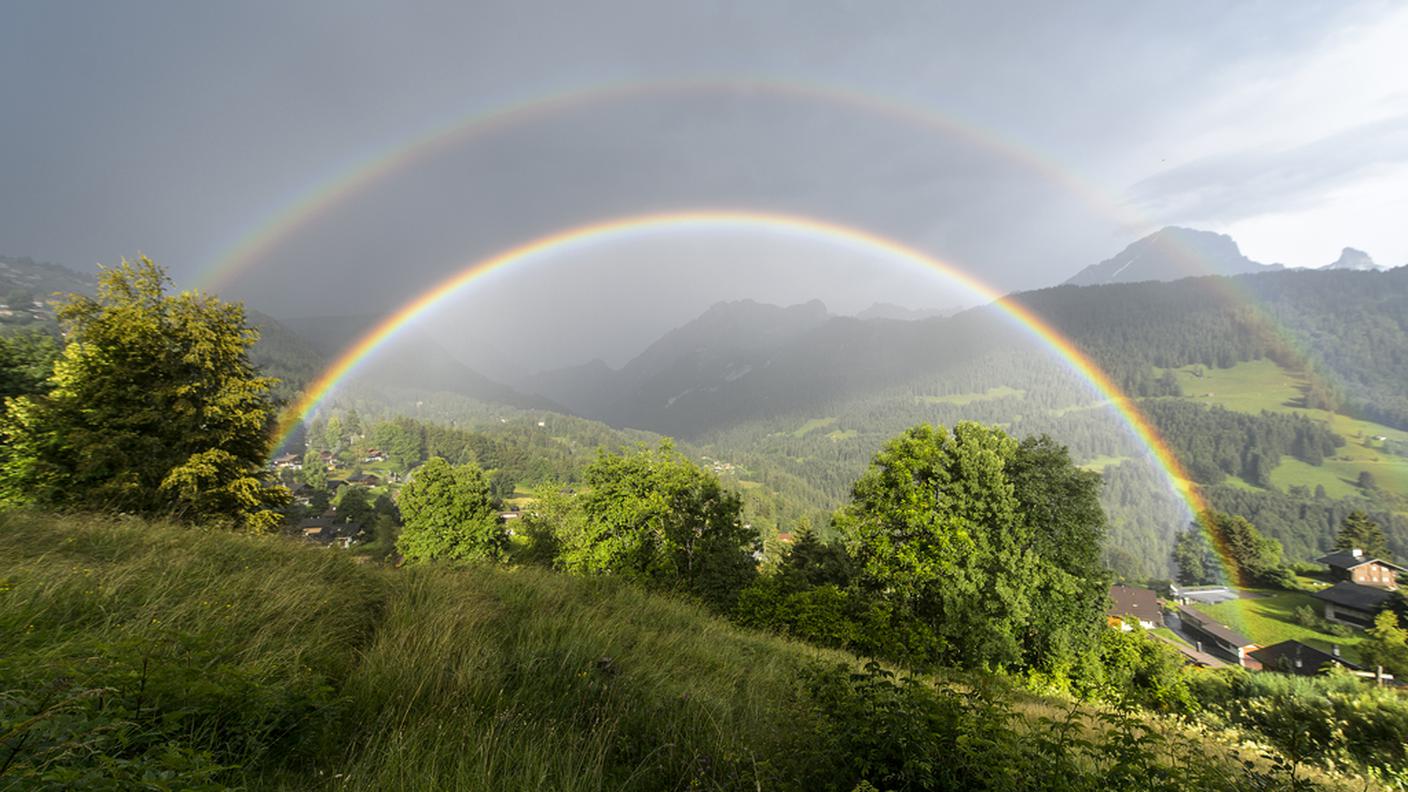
<point x="1099" y="463"/>
<point x="962" y="399"/>
<point x="1270" y="619"/>
<point x="1262" y="385"/>
<point x="813" y="425"/>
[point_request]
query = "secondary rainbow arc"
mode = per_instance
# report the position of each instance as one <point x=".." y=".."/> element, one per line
<point x="366" y="346"/>
<point x="362" y="174"/>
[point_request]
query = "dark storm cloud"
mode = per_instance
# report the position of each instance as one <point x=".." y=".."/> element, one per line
<point x="175" y="128"/>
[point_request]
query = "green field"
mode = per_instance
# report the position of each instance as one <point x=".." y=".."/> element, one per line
<point x="1328" y="475"/>
<point x="961" y="399"/>
<point x="1262" y="385"/>
<point x="1098" y="464"/>
<point x="813" y="425"/>
<point x="1270" y="619"/>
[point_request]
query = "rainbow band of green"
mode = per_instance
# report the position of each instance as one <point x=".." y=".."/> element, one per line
<point x="316" y="201"/>
<point x="368" y="344"/>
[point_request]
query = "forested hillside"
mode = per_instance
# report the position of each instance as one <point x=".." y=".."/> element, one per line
<point x="811" y="403"/>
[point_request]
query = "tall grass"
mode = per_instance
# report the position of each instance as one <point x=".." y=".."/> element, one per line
<point x="152" y="656"/>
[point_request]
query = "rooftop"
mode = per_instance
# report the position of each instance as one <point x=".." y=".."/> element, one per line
<point x="1283" y="657"/>
<point x="1205" y="623"/>
<point x="1349" y="559"/>
<point x="1141" y="603"/>
<point x="1355" y="596"/>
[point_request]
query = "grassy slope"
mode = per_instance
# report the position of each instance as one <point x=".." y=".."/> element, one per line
<point x="1270" y="619"/>
<point x="813" y="425"/>
<point x="482" y="679"/>
<point x="1262" y="385"/>
<point x="312" y="671"/>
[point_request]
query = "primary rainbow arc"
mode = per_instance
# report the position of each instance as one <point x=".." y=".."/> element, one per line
<point x="347" y="363"/>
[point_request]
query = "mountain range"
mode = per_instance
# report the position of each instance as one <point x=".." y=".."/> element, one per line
<point x="1352" y="259"/>
<point x="1173" y="253"/>
<point x="1169" y="254"/>
<point x="737" y="361"/>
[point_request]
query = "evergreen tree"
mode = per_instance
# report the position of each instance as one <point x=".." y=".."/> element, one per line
<point x="1192" y="557"/>
<point x="352" y="427"/>
<point x="353" y="505"/>
<point x="1360" y="531"/>
<point x="1257" y="558"/>
<point x="332" y="434"/>
<point x="153" y="407"/>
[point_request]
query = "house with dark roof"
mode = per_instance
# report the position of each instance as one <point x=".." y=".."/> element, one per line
<point x="317" y="528"/>
<point x="1353" y="566"/>
<point x="1354" y="604"/>
<point x="1138" y="604"/>
<point x="1214" y="637"/>
<point x="1294" y="657"/>
<point x="327" y="530"/>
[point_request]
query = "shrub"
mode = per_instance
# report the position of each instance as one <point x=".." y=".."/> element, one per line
<point x="1331" y="718"/>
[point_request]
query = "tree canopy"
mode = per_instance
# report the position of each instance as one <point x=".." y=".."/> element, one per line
<point x="153" y="407"/>
<point x="653" y="516"/>
<point x="977" y="550"/>
<point x="449" y="514"/>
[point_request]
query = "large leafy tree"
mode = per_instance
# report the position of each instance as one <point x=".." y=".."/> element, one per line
<point x="654" y="516"/>
<point x="1060" y="504"/>
<point x="977" y="550"/>
<point x="401" y="440"/>
<point x="1360" y="531"/>
<point x="1387" y="644"/>
<point x="315" y="471"/>
<point x="449" y="514"/>
<point x="153" y="407"/>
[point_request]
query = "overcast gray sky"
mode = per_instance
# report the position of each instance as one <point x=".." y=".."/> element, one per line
<point x="179" y="129"/>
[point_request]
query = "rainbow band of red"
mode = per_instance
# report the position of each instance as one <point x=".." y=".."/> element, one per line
<point x="674" y="222"/>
